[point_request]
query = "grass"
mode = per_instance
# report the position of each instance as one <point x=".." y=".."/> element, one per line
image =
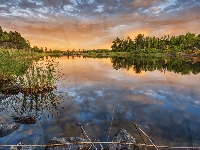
<point x="13" y="63"/>
<point x="17" y="66"/>
<point x="39" y="77"/>
<point x="36" y="78"/>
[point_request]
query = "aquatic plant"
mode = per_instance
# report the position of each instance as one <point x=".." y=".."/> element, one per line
<point x="13" y="63"/>
<point x="19" y="67"/>
<point x="38" y="78"/>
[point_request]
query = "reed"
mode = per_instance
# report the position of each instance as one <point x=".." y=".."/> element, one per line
<point x="38" y="78"/>
<point x="13" y="63"/>
<point x="17" y="66"/>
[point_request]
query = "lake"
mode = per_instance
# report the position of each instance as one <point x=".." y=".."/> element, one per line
<point x="161" y="96"/>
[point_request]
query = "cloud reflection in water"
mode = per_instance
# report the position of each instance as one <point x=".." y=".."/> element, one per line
<point x="165" y="107"/>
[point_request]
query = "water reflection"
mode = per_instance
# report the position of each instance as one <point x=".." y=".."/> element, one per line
<point x="152" y="99"/>
<point x="42" y="105"/>
<point x="166" y="106"/>
<point x="45" y="107"/>
<point x="168" y="120"/>
<point x="153" y="63"/>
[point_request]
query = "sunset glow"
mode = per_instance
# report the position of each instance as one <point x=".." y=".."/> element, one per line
<point x="81" y="24"/>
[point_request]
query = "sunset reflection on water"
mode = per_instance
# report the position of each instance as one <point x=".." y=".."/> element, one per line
<point x="165" y="105"/>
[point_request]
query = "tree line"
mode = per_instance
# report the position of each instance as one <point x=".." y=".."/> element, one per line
<point x="189" y="42"/>
<point x="13" y="40"/>
<point x="45" y="50"/>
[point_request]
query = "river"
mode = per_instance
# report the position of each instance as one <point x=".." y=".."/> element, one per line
<point x="104" y="97"/>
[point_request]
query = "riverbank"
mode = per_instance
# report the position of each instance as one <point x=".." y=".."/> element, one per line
<point x="194" y="57"/>
<point x="16" y="66"/>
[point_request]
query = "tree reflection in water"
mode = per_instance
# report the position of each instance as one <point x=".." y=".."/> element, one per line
<point x="139" y="64"/>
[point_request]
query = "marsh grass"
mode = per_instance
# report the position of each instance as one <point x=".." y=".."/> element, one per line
<point x="39" y="77"/>
<point x="17" y="66"/>
<point x="13" y="63"/>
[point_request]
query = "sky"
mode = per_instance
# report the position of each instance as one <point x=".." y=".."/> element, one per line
<point x="94" y="24"/>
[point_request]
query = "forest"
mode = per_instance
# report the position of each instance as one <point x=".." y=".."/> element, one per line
<point x="188" y="43"/>
<point x="13" y="40"/>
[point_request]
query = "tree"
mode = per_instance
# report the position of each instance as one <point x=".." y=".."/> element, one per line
<point x="141" y="44"/>
<point x="36" y="49"/>
<point x="13" y="40"/>
<point x="139" y="41"/>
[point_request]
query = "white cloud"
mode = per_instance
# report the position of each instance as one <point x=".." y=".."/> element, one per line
<point x="74" y="2"/>
<point x="68" y="7"/>
<point x="100" y="9"/>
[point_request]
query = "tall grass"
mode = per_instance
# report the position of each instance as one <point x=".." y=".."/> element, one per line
<point x="13" y="63"/>
<point x="18" y="66"/>
<point x="39" y="77"/>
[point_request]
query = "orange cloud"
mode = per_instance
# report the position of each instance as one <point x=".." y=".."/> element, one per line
<point x="78" y="27"/>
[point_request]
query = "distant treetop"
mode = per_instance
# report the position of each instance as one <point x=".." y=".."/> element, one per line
<point x="142" y="44"/>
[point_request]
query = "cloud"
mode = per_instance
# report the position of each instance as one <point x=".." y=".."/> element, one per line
<point x="154" y="9"/>
<point x="27" y="4"/>
<point x="97" y="22"/>
<point x="146" y="4"/>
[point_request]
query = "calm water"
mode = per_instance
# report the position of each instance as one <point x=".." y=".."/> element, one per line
<point x="165" y="105"/>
